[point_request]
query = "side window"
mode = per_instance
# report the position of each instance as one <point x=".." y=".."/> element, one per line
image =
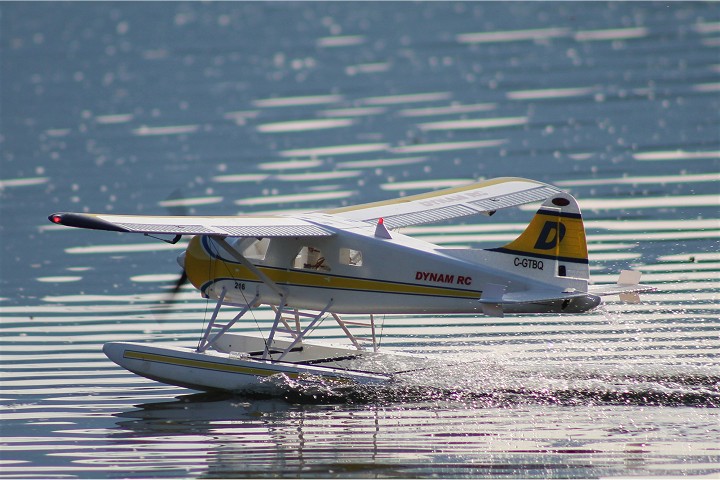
<point x="311" y="258"/>
<point x="351" y="257"/>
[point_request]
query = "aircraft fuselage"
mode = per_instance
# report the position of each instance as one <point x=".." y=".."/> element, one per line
<point x="355" y="271"/>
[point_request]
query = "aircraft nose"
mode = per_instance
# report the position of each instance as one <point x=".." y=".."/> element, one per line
<point x="181" y="260"/>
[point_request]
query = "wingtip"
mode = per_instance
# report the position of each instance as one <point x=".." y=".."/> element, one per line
<point x="81" y="220"/>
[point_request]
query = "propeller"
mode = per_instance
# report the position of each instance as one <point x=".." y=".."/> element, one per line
<point x="174" y="206"/>
<point x="182" y="280"/>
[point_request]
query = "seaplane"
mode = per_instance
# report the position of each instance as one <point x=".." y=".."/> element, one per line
<point x="353" y="261"/>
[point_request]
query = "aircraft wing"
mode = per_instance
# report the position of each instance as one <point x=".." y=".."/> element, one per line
<point x="483" y="197"/>
<point x="236" y="226"/>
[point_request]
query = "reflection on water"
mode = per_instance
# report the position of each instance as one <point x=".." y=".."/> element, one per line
<point x="241" y="437"/>
<point x="250" y="108"/>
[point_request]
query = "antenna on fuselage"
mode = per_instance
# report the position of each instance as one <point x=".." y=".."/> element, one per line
<point x="381" y="231"/>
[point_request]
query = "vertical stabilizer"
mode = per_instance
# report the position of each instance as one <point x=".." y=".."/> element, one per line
<point x="553" y="244"/>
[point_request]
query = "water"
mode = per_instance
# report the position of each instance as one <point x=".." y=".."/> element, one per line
<point x="254" y="107"/>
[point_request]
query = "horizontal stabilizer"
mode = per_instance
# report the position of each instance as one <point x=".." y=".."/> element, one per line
<point x="628" y="287"/>
<point x="604" y="290"/>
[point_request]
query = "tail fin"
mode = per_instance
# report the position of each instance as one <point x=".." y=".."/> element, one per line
<point x="553" y="244"/>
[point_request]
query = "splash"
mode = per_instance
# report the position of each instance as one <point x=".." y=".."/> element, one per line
<point x="488" y="384"/>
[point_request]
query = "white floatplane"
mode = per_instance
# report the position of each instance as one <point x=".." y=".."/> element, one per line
<point x="347" y="261"/>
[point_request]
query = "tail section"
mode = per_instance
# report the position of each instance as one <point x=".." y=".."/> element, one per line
<point x="553" y="245"/>
<point x="551" y="254"/>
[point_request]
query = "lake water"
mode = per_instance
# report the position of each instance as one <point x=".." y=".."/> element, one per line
<point x="252" y="107"/>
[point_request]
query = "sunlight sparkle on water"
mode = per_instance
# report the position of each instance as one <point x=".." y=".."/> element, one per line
<point x="147" y="131"/>
<point x="335" y="150"/>
<point x="304" y="125"/>
<point x="297" y="101"/>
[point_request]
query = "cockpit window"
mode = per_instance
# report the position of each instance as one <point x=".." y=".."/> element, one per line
<point x="258" y="249"/>
<point x="253" y="248"/>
